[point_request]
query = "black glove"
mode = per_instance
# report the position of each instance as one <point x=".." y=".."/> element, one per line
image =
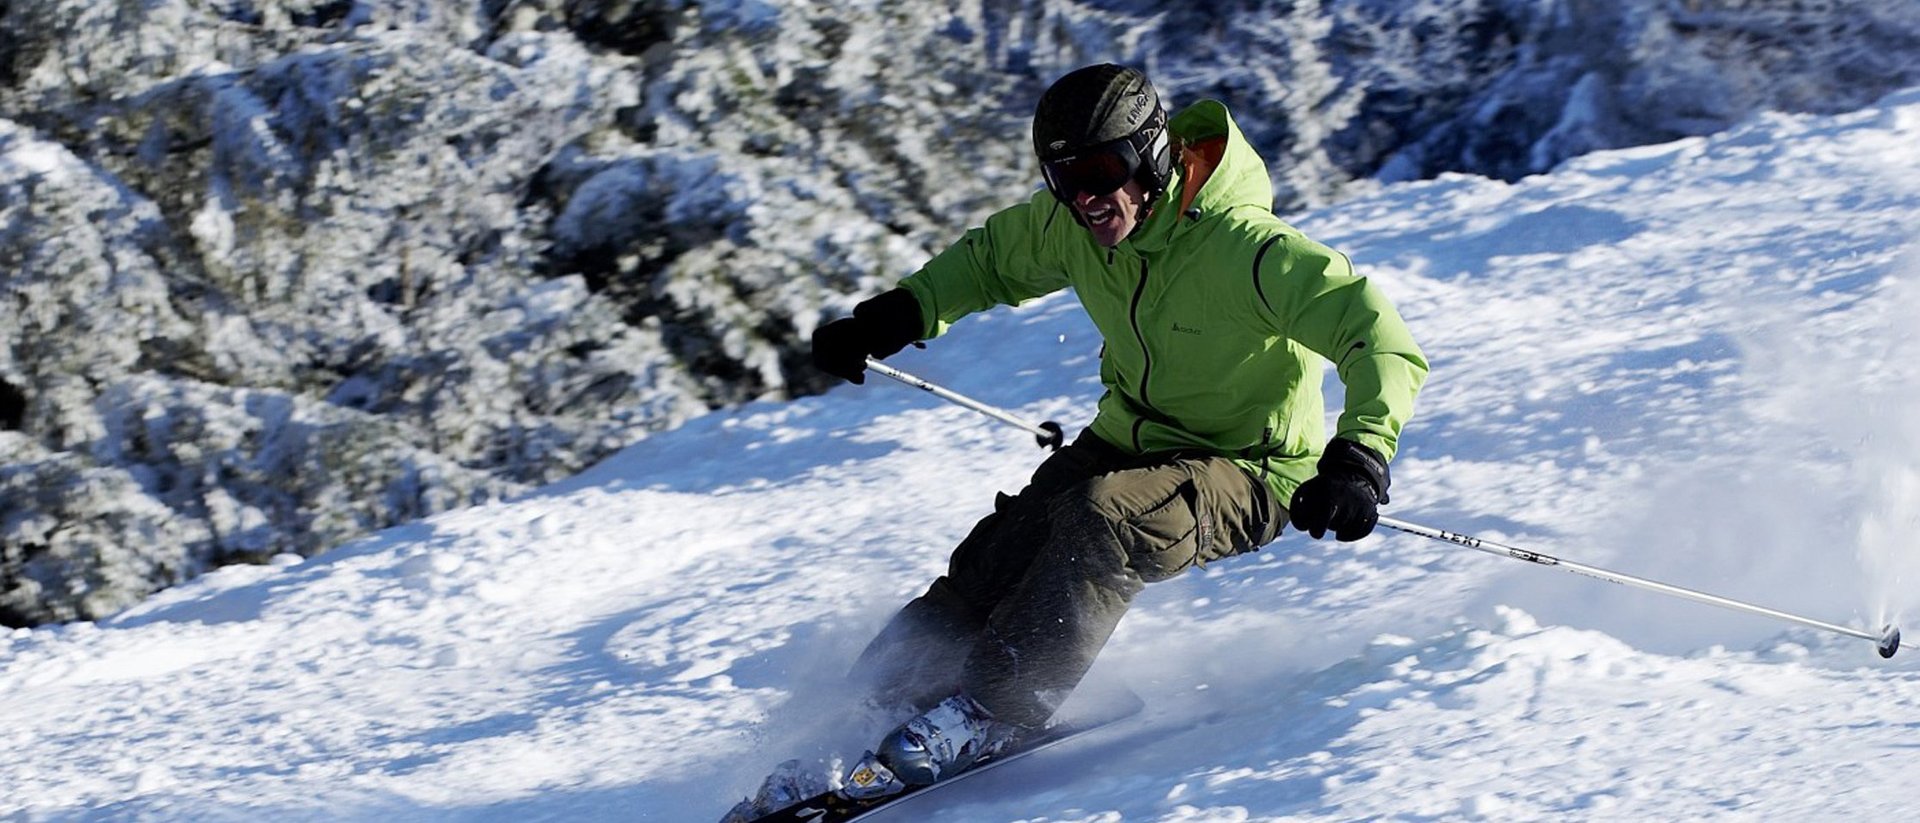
<point x="880" y="327"/>
<point x="1345" y="496"/>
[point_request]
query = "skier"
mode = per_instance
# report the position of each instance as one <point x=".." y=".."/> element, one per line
<point x="1217" y="318"/>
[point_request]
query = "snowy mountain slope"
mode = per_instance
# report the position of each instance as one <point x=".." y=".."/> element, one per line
<point x="1684" y="361"/>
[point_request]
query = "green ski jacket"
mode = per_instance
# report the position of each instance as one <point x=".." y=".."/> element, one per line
<point x="1218" y="321"/>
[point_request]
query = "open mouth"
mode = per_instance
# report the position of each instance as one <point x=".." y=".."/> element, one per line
<point x="1100" y="214"/>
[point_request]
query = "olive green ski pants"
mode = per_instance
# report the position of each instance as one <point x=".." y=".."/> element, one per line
<point x="1034" y="591"/>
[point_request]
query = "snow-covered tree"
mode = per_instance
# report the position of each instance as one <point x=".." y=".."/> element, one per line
<point x="280" y="272"/>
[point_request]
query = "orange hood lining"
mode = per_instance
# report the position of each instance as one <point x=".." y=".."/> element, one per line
<point x="1197" y="162"/>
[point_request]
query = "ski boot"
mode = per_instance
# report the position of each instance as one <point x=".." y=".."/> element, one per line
<point x="941" y="741"/>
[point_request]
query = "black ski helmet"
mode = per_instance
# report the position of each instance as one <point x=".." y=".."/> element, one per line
<point x="1098" y="123"/>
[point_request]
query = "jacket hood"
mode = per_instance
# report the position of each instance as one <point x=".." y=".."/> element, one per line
<point x="1240" y="179"/>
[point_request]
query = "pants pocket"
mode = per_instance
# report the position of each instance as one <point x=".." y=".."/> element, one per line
<point x="1167" y="538"/>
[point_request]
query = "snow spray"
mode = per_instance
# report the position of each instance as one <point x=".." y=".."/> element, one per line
<point x="1886" y="458"/>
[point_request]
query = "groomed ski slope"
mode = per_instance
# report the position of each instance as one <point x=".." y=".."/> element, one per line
<point x="1690" y="362"/>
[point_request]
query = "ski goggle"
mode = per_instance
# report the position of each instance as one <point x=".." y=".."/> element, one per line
<point x="1099" y="170"/>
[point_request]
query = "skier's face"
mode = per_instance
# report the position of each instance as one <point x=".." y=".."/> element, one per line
<point x="1114" y="215"/>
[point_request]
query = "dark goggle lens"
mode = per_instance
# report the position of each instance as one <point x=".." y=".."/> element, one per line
<point x="1099" y="172"/>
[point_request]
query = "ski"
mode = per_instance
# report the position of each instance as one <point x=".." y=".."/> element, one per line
<point x="832" y="807"/>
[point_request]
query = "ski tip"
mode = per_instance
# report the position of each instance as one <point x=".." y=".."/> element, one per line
<point x="1889" y="640"/>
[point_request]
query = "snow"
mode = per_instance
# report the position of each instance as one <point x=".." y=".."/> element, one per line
<point x="35" y="158"/>
<point x="1685" y="362"/>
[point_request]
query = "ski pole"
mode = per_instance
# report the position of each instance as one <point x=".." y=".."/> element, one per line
<point x="1888" y="640"/>
<point x="1048" y="434"/>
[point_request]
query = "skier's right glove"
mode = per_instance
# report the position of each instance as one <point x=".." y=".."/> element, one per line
<point x="880" y="327"/>
<point x="1345" y="496"/>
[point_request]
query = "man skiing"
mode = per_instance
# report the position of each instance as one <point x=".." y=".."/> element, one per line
<point x="1217" y="318"/>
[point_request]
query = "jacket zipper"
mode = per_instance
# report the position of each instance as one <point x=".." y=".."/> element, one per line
<point x="1146" y="356"/>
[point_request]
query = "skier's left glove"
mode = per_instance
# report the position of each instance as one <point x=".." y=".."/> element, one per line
<point x="880" y="327"/>
<point x="1345" y="496"/>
